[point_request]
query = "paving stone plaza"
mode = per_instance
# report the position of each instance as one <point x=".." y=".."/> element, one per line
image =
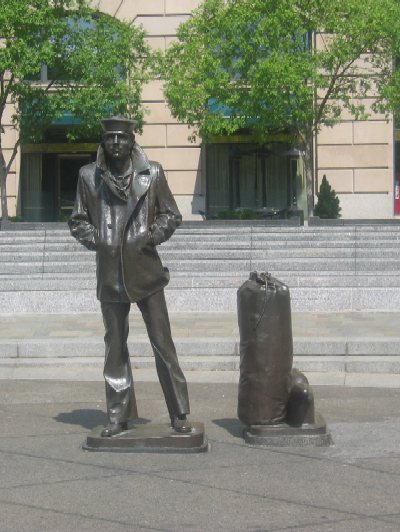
<point x="49" y="484"/>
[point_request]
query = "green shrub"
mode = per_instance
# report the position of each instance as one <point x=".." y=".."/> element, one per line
<point x="328" y="203"/>
<point x="238" y="214"/>
<point x="228" y="215"/>
<point x="248" y="214"/>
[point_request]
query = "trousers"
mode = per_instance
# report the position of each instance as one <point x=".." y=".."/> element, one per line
<point x="120" y="395"/>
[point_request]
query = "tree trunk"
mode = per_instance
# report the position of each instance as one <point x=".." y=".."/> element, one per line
<point x="308" y="166"/>
<point x="3" y="187"/>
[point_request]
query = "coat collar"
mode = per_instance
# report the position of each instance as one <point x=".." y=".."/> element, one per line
<point x="140" y="162"/>
<point x="141" y="178"/>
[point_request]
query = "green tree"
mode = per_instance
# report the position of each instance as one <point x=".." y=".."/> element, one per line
<point x="283" y="66"/>
<point x="95" y="65"/>
<point x="328" y="203"/>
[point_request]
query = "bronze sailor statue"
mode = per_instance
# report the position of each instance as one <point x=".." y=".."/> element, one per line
<point x="123" y="210"/>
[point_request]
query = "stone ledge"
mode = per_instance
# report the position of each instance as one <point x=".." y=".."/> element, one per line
<point x="332" y="351"/>
<point x="139" y="348"/>
<point x="90" y="372"/>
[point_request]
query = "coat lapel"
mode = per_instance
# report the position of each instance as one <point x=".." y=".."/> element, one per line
<point x="139" y="187"/>
<point x="141" y="179"/>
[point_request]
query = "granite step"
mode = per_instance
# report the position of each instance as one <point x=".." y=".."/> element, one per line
<point x="311" y="264"/>
<point x="329" y="364"/>
<point x="173" y="246"/>
<point x="211" y="255"/>
<point x="331" y="268"/>
<point x="207" y="299"/>
<point x="140" y="347"/>
<point x="343" y="344"/>
<point x="73" y="281"/>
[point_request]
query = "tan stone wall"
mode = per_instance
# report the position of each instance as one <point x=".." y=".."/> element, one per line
<point x="163" y="138"/>
<point x="8" y="142"/>
<point x="357" y="159"/>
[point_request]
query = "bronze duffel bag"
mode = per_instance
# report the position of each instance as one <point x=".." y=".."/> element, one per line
<point x="266" y="350"/>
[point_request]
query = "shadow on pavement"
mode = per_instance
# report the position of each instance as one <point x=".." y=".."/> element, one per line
<point x="232" y="425"/>
<point x="89" y="418"/>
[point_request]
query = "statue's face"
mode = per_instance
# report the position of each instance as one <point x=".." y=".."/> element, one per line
<point x="117" y="145"/>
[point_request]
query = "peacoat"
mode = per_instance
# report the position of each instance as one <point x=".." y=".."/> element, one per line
<point x="125" y="233"/>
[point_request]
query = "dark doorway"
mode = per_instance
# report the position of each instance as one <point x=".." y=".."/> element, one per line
<point x="49" y="184"/>
<point x="247" y="176"/>
<point x="69" y="166"/>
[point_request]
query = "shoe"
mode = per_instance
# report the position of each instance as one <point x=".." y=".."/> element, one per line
<point x="112" y="429"/>
<point x="181" y="424"/>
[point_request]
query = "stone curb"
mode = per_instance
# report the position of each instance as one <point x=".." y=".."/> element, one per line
<point x="93" y="372"/>
<point x="193" y="346"/>
<point x="335" y="365"/>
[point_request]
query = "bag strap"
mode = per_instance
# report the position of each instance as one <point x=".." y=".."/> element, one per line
<point x="263" y="278"/>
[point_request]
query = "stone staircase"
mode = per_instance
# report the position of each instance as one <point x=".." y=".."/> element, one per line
<point x="344" y="283"/>
<point x="328" y="269"/>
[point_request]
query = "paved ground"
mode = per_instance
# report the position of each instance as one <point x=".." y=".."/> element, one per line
<point x="48" y="483"/>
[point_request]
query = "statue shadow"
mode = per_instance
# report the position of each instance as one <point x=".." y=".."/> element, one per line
<point x="88" y="418"/>
<point x="232" y="425"/>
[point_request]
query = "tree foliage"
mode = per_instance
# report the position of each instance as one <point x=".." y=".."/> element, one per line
<point x="283" y="65"/>
<point x="328" y="205"/>
<point x="96" y="65"/>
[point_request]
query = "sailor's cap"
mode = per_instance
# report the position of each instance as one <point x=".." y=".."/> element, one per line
<point x="118" y="124"/>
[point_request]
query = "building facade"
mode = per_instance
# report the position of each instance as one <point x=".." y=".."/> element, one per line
<point x="361" y="159"/>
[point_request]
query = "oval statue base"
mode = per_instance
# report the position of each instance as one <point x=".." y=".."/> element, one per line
<point x="283" y="435"/>
<point x="149" y="437"/>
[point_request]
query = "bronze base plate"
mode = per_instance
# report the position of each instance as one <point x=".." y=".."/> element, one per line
<point x="284" y="435"/>
<point x="149" y="438"/>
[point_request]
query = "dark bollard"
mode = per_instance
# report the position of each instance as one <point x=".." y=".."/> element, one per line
<point x="274" y="401"/>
